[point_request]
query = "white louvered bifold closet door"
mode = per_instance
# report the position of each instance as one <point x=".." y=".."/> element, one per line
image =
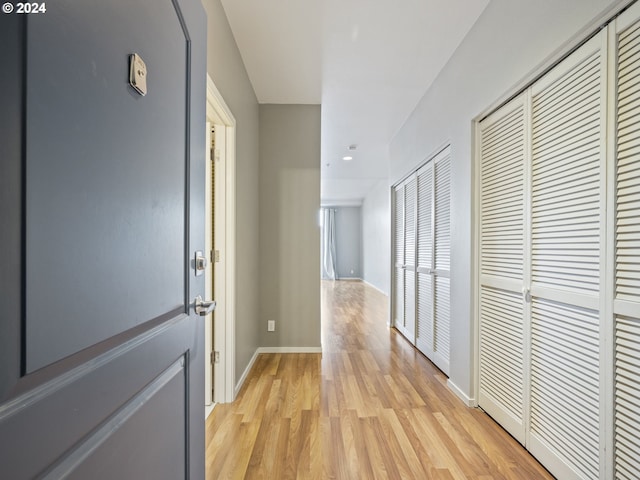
<point x="398" y="246"/>
<point x="626" y="304"/>
<point x="424" y="317"/>
<point x="568" y="153"/>
<point x="503" y="143"/>
<point x="442" y="267"/>
<point x="410" y="199"/>
<point x="434" y="252"/>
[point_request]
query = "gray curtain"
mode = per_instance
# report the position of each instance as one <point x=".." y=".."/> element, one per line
<point x="329" y="243"/>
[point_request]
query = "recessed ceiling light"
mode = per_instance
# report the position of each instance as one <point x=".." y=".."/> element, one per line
<point x="347" y="158"/>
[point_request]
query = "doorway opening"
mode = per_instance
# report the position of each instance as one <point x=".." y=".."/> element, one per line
<point x="220" y="228"/>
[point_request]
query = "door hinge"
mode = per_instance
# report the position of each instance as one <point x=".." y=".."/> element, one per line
<point x="217" y="154"/>
<point x="215" y="357"/>
<point x="215" y="256"/>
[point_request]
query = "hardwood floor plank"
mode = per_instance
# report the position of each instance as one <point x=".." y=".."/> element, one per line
<point x="370" y="406"/>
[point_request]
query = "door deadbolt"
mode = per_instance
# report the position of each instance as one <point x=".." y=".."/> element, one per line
<point x="199" y="263"/>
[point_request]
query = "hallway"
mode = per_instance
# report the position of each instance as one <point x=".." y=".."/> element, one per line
<point x="371" y="406"/>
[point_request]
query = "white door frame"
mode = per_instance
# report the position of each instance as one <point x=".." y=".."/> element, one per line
<point x="219" y="114"/>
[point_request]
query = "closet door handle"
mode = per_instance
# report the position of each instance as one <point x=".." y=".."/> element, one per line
<point x="526" y="294"/>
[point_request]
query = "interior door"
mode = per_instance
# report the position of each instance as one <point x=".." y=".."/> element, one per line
<point x="101" y="353"/>
<point x="409" y="327"/>
<point x="503" y="267"/>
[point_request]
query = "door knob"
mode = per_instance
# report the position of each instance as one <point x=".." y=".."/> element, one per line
<point x="203" y="308"/>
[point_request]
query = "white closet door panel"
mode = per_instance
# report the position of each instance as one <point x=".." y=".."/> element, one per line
<point x="566" y="146"/>
<point x="565" y="383"/>
<point x="627" y="398"/>
<point x="398" y="304"/>
<point x="424" y="330"/>
<point x="627" y="249"/>
<point x="425" y="312"/>
<point x="425" y="216"/>
<point x="409" y="327"/>
<point x="627" y="235"/>
<point x="567" y="158"/>
<point x="502" y="234"/>
<point x="501" y="392"/>
<point x="442" y="200"/>
<point x="398" y="226"/>
<point x="502" y="153"/>
<point x="398" y="245"/>
<point x="442" y="323"/>
<point x="410" y="199"/>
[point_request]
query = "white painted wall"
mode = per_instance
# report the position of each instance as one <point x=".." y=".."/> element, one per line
<point x="376" y="237"/>
<point x="507" y="44"/>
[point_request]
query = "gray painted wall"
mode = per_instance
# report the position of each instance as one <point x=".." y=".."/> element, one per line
<point x="376" y="237"/>
<point x="349" y="242"/>
<point x="510" y="39"/>
<point x="227" y="71"/>
<point x="289" y="261"/>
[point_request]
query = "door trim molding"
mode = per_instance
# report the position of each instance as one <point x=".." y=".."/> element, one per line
<point x="218" y="113"/>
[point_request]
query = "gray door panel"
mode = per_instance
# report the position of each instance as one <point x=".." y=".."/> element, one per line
<point x="102" y="207"/>
<point x="106" y="187"/>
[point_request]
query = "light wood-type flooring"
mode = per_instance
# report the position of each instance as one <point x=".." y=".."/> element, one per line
<point x="369" y="407"/>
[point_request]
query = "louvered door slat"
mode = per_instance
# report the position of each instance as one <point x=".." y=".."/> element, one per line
<point x="442" y="264"/>
<point x="627" y="397"/>
<point x="398" y="243"/>
<point x="627" y="251"/>
<point x="502" y="196"/>
<point x="567" y="138"/>
<point x="398" y="227"/>
<point x="442" y="209"/>
<point x="442" y="323"/>
<point x="502" y="159"/>
<point x="425" y="201"/>
<point x="410" y="198"/>
<point x="628" y="171"/>
<point x="501" y="358"/>
<point x="399" y="297"/>
<point x="425" y="314"/>
<point x="410" y="223"/>
<point x="424" y="338"/>
<point x="554" y="193"/>
<point x="565" y="382"/>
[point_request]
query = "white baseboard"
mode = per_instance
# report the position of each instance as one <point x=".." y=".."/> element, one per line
<point x="245" y="373"/>
<point x="469" y="402"/>
<point x="349" y="279"/>
<point x="376" y="288"/>
<point x="208" y="409"/>
<point x="289" y="350"/>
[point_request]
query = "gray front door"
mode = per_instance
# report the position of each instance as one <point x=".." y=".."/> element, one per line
<point x="101" y="211"/>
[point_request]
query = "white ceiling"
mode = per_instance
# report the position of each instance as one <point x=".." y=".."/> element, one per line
<point x="368" y="62"/>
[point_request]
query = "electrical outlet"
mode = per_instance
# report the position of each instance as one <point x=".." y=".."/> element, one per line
<point x="271" y="325"/>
